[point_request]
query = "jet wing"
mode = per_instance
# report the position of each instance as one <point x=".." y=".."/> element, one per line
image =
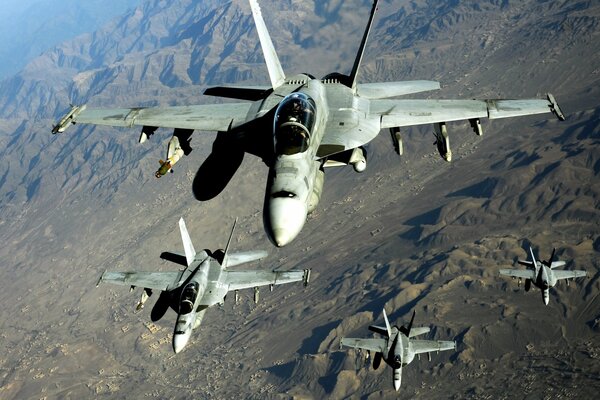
<point x="397" y="113"/>
<point x="248" y="279"/>
<point x="151" y="280"/>
<point x="427" y="346"/>
<point x="562" y="274"/>
<point x="376" y="345"/>
<point x="519" y="273"/>
<point x="208" y="117"/>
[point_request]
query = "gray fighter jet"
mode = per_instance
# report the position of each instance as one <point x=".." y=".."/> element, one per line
<point x="541" y="274"/>
<point x="397" y="348"/>
<point x="301" y="124"/>
<point x="203" y="282"/>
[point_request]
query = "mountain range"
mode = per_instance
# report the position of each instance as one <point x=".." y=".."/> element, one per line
<point x="410" y="233"/>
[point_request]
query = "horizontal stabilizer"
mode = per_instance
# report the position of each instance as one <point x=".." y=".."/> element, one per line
<point x="379" y="329"/>
<point x="556" y="264"/>
<point x="234" y="259"/>
<point x="525" y="263"/>
<point x="419" y="331"/>
<point x="174" y="258"/>
<point x="385" y="90"/>
<point x="240" y="92"/>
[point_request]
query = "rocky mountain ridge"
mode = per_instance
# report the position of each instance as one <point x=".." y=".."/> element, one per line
<point x="409" y="233"/>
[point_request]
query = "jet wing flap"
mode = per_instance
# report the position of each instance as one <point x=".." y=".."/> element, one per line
<point x="516" y="108"/>
<point x="519" y="273"/>
<point x="376" y="345"/>
<point x="249" y="279"/>
<point x="150" y="280"/>
<point x="427" y="346"/>
<point x="563" y="274"/>
<point x="398" y="113"/>
<point x="208" y="117"/>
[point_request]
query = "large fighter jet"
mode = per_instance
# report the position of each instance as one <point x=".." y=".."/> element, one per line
<point x="541" y="274"/>
<point x="397" y="348"/>
<point x="301" y="124"/>
<point x="203" y="282"/>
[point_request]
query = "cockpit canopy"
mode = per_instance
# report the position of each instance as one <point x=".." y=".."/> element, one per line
<point x="294" y="120"/>
<point x="188" y="298"/>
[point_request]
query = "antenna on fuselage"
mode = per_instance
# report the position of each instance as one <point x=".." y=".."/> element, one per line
<point x="361" y="49"/>
<point x="273" y="65"/>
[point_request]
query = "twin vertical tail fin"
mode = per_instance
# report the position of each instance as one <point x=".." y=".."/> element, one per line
<point x="273" y="65"/>
<point x="225" y="255"/>
<point x="387" y="324"/>
<point x="190" y="252"/>
<point x="551" y="257"/>
<point x="537" y="269"/>
<point x="406" y="331"/>
<point x="361" y="49"/>
<point x="276" y="74"/>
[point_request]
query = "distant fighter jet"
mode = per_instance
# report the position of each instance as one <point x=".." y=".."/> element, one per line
<point x="541" y="274"/>
<point x="397" y="348"/>
<point x="203" y="282"/>
<point x="301" y="124"/>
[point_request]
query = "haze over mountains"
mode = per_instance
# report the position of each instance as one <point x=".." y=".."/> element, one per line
<point x="410" y="233"/>
<point x="30" y="27"/>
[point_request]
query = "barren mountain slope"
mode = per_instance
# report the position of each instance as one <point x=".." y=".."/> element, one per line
<point x="410" y="233"/>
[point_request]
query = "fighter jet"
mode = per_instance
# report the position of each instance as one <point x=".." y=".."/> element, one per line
<point x="300" y="125"/>
<point x="203" y="282"/>
<point x="541" y="274"/>
<point x="397" y="348"/>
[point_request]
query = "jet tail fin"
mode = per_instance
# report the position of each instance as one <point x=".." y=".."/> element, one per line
<point x="273" y="65"/>
<point x="190" y="252"/>
<point x="387" y="324"/>
<point x="533" y="260"/>
<point x="226" y="252"/>
<point x="551" y="257"/>
<point x="361" y="49"/>
<point x="406" y="331"/>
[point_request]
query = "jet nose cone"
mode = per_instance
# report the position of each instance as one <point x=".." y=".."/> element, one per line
<point x="179" y="341"/>
<point x="396" y="385"/>
<point x="286" y="217"/>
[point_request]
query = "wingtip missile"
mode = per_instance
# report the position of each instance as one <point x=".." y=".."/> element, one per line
<point x="68" y="119"/>
<point x="100" y="279"/>
<point x="555" y="108"/>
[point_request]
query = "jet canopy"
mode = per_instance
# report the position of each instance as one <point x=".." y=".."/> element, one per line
<point x="188" y="298"/>
<point x="294" y="120"/>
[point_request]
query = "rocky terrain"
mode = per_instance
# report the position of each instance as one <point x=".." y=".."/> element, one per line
<point x="410" y="233"/>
